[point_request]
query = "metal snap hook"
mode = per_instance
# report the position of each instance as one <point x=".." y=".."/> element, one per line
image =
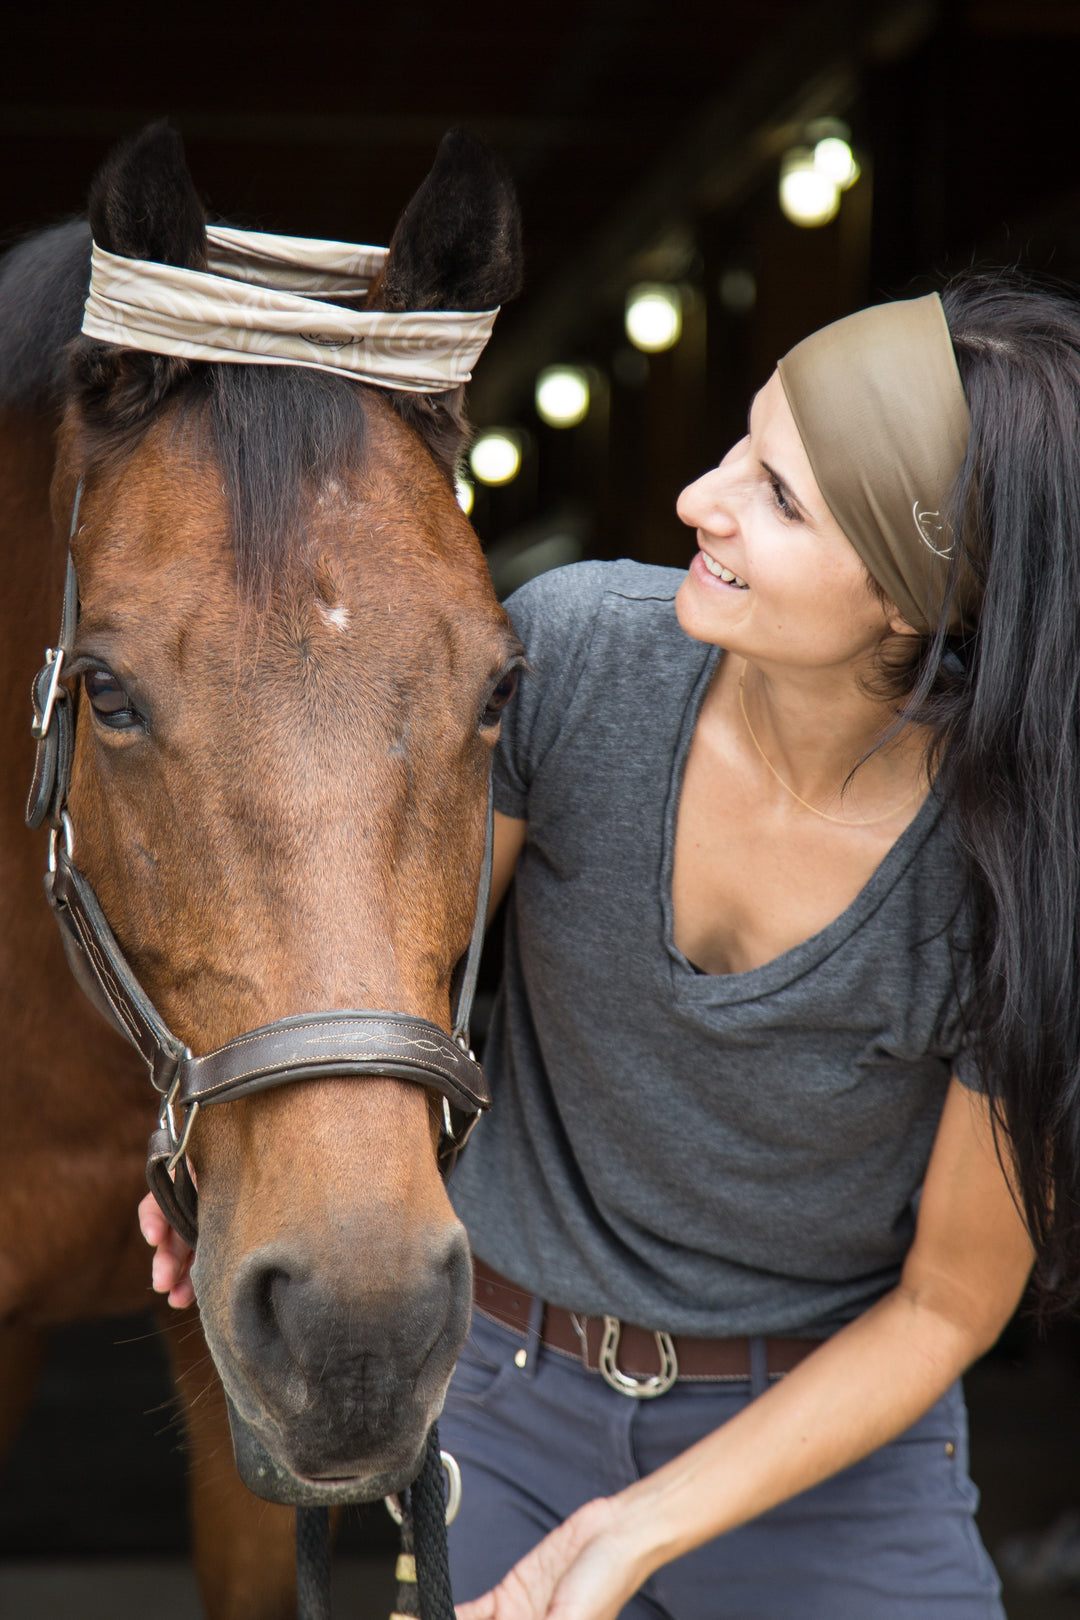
<point x="453" y="1491"/>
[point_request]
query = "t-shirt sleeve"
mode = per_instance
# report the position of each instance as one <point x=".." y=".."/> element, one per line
<point x="968" y="1072"/>
<point x="958" y="1033"/>
<point x="554" y="615"/>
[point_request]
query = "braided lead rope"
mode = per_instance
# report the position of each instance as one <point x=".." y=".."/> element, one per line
<point x="427" y="1504"/>
<point x="313" y="1563"/>
<point x="423" y="1568"/>
<point x="407" y="1606"/>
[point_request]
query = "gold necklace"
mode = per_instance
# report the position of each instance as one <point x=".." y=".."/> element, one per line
<point x="841" y="821"/>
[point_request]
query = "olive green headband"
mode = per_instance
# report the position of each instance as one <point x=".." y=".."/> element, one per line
<point x="880" y="409"/>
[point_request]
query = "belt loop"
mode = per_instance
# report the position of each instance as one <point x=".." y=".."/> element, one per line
<point x="535" y="1335"/>
<point x="759" y="1367"/>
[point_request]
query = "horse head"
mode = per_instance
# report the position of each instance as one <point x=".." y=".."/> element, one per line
<point x="291" y="667"/>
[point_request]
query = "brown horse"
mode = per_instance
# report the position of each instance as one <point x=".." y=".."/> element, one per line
<point x="291" y="664"/>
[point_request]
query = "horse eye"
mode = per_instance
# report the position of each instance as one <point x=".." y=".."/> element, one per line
<point x="499" y="698"/>
<point x="108" y="699"/>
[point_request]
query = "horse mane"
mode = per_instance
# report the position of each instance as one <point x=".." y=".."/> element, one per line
<point x="278" y="433"/>
<point x="43" y="286"/>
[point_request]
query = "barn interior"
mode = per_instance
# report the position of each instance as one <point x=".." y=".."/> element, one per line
<point x="701" y="186"/>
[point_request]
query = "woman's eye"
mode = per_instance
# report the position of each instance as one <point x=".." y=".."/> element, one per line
<point x="109" y="701"/>
<point x="779" y="498"/>
<point x="783" y="505"/>
<point x="499" y="698"/>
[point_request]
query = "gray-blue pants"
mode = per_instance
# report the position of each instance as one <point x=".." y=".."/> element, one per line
<point x="892" y="1538"/>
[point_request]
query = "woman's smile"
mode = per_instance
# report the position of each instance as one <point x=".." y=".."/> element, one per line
<point x="719" y="571"/>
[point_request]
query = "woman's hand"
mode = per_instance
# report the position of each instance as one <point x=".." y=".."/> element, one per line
<point x="170" y="1270"/>
<point x="584" y="1570"/>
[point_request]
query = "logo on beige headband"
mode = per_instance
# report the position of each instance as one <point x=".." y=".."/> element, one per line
<point x="329" y="340"/>
<point x="930" y="532"/>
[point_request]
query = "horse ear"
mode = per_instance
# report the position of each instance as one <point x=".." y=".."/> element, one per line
<point x="457" y="246"/>
<point x="142" y="205"/>
<point x="458" y="243"/>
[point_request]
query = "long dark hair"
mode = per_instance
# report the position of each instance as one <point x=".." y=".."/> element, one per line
<point x="1003" y="705"/>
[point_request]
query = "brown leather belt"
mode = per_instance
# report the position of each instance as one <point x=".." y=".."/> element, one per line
<point x="635" y="1360"/>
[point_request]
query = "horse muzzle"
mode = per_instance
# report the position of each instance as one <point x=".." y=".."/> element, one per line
<point x="332" y="1389"/>
<point x="265" y="1476"/>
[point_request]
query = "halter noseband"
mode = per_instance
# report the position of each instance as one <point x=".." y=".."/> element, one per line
<point x="346" y="1042"/>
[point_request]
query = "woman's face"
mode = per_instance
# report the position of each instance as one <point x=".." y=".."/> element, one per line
<point x="775" y="578"/>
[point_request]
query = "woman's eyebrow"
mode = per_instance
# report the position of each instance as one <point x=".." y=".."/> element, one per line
<point x="786" y="489"/>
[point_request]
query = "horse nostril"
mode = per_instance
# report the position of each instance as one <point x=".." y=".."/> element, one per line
<point x="267" y="1295"/>
<point x="267" y="1309"/>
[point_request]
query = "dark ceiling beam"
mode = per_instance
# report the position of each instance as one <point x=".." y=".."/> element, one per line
<point x="377" y="132"/>
<point x="811" y="69"/>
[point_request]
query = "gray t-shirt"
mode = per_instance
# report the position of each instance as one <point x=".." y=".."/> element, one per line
<point x="709" y="1154"/>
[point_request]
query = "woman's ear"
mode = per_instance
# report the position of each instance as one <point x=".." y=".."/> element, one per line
<point x="898" y="625"/>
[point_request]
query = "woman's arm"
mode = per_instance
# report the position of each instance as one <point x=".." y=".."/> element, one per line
<point x="962" y="1280"/>
<point x="509" y="843"/>
<point x="171" y="1266"/>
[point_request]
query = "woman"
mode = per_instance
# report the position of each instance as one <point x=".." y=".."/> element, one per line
<point x="786" y="917"/>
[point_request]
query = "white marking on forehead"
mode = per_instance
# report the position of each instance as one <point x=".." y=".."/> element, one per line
<point x="331" y="493"/>
<point x="338" y="617"/>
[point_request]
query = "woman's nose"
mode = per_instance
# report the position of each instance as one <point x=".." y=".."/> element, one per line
<point x="703" y="504"/>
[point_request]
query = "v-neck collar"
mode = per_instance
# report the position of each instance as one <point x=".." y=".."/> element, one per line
<point x="718" y="989"/>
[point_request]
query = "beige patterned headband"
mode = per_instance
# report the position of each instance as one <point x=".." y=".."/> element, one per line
<point x="262" y="301"/>
<point x="880" y="409"/>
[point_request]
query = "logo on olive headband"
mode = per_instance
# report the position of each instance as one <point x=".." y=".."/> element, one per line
<point x="929" y="532"/>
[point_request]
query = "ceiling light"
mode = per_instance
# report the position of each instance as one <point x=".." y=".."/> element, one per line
<point x="562" y="395"/>
<point x="495" y="458"/>
<point x="807" y="196"/>
<point x="833" y="157"/>
<point x="653" y="316"/>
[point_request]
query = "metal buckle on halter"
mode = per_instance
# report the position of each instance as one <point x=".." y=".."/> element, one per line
<point x="456" y="1139"/>
<point x="640" y="1389"/>
<point x="54" y="661"/>
<point x="54" y="840"/>
<point x="178" y="1140"/>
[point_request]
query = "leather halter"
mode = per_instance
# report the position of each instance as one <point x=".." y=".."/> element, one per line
<point x="344" y="1042"/>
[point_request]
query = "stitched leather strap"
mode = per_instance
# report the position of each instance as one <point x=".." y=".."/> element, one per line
<point x="101" y="971"/>
<point x="340" y="1043"/>
<point x="53" y="723"/>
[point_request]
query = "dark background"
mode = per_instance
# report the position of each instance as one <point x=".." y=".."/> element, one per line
<point x="645" y="139"/>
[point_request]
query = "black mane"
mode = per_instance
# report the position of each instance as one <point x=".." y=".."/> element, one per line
<point x="43" y="286"/>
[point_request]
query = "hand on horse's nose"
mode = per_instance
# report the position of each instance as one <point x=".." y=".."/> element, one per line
<point x="170" y="1269"/>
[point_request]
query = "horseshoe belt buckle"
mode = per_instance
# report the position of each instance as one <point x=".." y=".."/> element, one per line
<point x="639" y="1389"/>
